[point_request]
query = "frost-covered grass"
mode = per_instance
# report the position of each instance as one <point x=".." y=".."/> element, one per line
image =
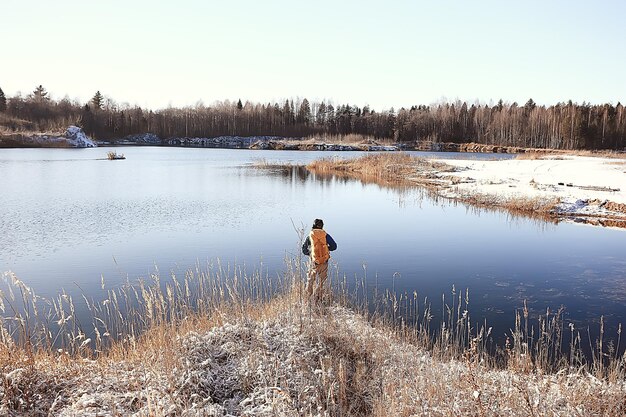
<point x="221" y="342"/>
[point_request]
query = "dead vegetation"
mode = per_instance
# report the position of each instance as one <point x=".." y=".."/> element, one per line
<point x="223" y="342"/>
<point x="10" y="124"/>
<point x="349" y="139"/>
<point x="529" y="206"/>
<point x="399" y="169"/>
<point x="272" y="165"/>
<point x="532" y="154"/>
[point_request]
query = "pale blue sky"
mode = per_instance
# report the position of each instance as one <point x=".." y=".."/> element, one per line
<point x="391" y="53"/>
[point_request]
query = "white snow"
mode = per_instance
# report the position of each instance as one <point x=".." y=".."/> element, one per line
<point x="583" y="185"/>
<point x="77" y="138"/>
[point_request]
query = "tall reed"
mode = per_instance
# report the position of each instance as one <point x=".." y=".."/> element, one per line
<point x="35" y="324"/>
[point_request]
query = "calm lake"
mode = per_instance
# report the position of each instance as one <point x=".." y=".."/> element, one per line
<point x="69" y="218"/>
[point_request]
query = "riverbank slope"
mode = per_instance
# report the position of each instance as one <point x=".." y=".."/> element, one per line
<point x="73" y="137"/>
<point x="286" y="358"/>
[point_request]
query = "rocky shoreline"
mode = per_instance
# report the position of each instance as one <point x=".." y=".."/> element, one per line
<point x="306" y="144"/>
<point x="69" y="139"/>
<point x="256" y="142"/>
<point x="75" y="137"/>
<point x="471" y="147"/>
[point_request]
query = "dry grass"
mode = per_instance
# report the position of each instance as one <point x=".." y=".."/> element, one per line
<point x="350" y="139"/>
<point x="599" y="154"/>
<point x="222" y="342"/>
<point x="618" y="163"/>
<point x="9" y="124"/>
<point x="532" y="155"/>
<point x="272" y="165"/>
<point x="375" y="165"/>
<point x="395" y="168"/>
<point x="558" y="154"/>
<point x="529" y="206"/>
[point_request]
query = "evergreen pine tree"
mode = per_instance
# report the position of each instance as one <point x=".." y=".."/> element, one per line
<point x="97" y="100"/>
<point x="304" y="112"/>
<point x="87" y="120"/>
<point x="288" y="113"/>
<point x="529" y="106"/>
<point x="3" y="102"/>
<point x="40" y="94"/>
<point x="239" y="105"/>
<point x="320" y="118"/>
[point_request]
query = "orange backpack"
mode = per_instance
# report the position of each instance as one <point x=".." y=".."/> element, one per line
<point x="319" y="246"/>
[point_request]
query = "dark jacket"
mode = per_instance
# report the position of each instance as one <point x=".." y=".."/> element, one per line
<point x="306" y="246"/>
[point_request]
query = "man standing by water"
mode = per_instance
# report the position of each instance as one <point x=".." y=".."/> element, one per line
<point x="318" y="245"/>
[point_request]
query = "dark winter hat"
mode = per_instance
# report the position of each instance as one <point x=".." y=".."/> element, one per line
<point x="318" y="224"/>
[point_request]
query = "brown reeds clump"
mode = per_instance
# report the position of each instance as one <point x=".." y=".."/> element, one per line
<point x="560" y="154"/>
<point x="534" y="207"/>
<point x="533" y="155"/>
<point x="388" y="168"/>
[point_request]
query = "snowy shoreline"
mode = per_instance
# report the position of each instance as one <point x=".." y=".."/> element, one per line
<point x="590" y="189"/>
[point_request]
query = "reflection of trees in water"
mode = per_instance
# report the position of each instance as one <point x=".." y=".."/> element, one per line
<point x="303" y="174"/>
<point x="405" y="193"/>
<point x="289" y="172"/>
<point x="541" y="220"/>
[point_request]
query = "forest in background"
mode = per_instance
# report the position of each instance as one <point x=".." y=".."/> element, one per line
<point x="560" y="126"/>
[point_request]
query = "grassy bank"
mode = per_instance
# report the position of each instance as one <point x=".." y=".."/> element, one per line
<point x="391" y="169"/>
<point x="221" y="342"/>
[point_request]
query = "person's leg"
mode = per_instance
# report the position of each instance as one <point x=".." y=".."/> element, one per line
<point x="322" y="275"/>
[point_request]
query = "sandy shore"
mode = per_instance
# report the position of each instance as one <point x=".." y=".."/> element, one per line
<point x="588" y="188"/>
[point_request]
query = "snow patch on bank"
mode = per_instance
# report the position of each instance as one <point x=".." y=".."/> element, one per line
<point x="76" y="138"/>
<point x="584" y="186"/>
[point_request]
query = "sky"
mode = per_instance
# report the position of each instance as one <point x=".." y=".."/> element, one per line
<point x="378" y="53"/>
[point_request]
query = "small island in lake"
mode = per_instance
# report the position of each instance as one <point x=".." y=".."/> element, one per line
<point x="113" y="155"/>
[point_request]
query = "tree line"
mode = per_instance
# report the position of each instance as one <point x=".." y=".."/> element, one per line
<point x="560" y="126"/>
